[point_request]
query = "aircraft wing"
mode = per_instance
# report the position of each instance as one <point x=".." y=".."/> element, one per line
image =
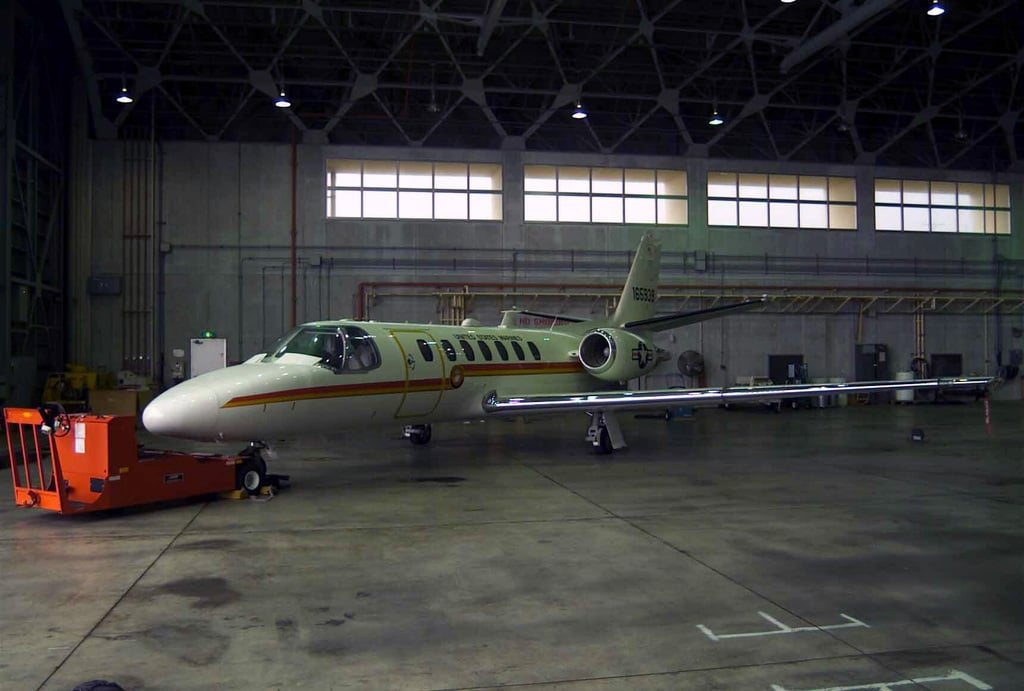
<point x="671" y="321"/>
<point x="664" y="398"/>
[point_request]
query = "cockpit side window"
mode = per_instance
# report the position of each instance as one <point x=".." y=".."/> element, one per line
<point x="361" y="353"/>
<point x="467" y="349"/>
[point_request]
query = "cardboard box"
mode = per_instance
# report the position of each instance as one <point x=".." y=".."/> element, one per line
<point x="114" y="401"/>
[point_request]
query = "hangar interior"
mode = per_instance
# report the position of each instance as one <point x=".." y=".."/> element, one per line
<point x="181" y="171"/>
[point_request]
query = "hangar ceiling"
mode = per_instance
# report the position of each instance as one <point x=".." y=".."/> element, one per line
<point x="847" y="81"/>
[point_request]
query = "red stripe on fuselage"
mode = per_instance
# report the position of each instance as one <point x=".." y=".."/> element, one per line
<point x="401" y="386"/>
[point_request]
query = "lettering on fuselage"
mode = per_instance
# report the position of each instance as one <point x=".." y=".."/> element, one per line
<point x="487" y="337"/>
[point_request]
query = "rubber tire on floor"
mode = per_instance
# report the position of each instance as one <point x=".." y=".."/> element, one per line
<point x="251" y="474"/>
<point x="604" y="442"/>
<point x="98" y="685"/>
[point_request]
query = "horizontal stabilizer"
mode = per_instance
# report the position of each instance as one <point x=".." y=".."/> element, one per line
<point x="671" y="321"/>
<point x="664" y="398"/>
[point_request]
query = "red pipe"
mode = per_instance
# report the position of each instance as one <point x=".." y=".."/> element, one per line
<point x="294" y="231"/>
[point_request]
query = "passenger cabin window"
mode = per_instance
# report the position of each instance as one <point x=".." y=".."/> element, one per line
<point x="534" y="350"/>
<point x="518" y="350"/>
<point x="502" y="350"/>
<point x="467" y="349"/>
<point x="425" y="350"/>
<point x="339" y="348"/>
<point x="485" y="351"/>
<point x="449" y="350"/>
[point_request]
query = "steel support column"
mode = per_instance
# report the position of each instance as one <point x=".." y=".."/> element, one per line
<point x="6" y="158"/>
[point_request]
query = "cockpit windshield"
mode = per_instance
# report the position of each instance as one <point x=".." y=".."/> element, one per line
<point x="339" y="348"/>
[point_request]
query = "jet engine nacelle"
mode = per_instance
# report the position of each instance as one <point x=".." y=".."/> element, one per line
<point x="616" y="354"/>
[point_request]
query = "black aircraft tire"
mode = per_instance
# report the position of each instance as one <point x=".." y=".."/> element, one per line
<point x="605" y="442"/>
<point x="421" y="435"/>
<point x="251" y="474"/>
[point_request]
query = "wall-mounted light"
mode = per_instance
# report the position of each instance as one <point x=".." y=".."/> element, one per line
<point x="124" y="97"/>
<point x="282" y="101"/>
<point x="579" y="113"/>
<point x="936" y="9"/>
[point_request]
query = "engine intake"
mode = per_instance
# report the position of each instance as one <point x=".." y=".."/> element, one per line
<point x="616" y="354"/>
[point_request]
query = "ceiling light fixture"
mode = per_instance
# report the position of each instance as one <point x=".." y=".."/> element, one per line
<point x="788" y="2"/>
<point x="124" y="97"/>
<point x="282" y="101"/>
<point x="432" y="107"/>
<point x="960" y="135"/>
<point x="716" y="119"/>
<point x="579" y="113"/>
<point x="936" y="9"/>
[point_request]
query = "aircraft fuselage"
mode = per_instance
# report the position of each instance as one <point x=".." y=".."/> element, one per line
<point x="419" y="374"/>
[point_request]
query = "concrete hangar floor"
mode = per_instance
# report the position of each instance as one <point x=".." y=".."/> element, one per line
<point x="811" y="549"/>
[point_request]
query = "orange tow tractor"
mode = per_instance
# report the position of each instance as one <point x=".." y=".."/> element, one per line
<point x="81" y="462"/>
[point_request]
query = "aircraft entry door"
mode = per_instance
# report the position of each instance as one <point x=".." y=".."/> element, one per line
<point x="424" y="372"/>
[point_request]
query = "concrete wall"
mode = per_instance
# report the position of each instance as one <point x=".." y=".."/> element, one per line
<point x="224" y="231"/>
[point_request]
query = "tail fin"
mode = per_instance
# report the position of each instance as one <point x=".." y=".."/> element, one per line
<point x="641" y="290"/>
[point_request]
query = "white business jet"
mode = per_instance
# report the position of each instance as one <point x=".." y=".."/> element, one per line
<point x="327" y="377"/>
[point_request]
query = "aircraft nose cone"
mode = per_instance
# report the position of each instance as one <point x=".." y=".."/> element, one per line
<point x="187" y="412"/>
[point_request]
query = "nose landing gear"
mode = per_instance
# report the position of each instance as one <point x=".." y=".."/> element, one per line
<point x="251" y="473"/>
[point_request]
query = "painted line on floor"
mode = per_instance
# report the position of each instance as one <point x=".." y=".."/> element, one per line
<point x="953" y="675"/>
<point x="782" y="629"/>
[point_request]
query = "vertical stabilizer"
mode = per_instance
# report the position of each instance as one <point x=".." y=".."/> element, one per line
<point x="641" y="290"/>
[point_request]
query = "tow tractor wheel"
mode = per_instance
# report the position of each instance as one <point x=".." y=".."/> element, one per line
<point x="420" y="434"/>
<point x="251" y="473"/>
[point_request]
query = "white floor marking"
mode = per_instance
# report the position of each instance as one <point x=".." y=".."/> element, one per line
<point x="783" y="628"/>
<point x="953" y="675"/>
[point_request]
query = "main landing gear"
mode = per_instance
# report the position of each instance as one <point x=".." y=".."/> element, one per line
<point x="417" y="434"/>
<point x="604" y="432"/>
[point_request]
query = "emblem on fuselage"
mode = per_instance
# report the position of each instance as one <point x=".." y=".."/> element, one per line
<point x="642" y="355"/>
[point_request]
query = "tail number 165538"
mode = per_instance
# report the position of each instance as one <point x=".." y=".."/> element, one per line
<point x="644" y="294"/>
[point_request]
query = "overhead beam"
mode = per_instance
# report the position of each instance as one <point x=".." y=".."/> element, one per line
<point x="489" y="24"/>
<point x="835" y="32"/>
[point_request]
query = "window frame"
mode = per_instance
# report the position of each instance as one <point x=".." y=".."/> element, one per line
<point x="771" y="200"/>
<point x="580" y="194"/>
<point x="921" y="213"/>
<point x="383" y="185"/>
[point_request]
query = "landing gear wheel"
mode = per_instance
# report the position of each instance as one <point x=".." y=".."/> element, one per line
<point x="251" y="474"/>
<point x="605" y="442"/>
<point x="419" y="434"/>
